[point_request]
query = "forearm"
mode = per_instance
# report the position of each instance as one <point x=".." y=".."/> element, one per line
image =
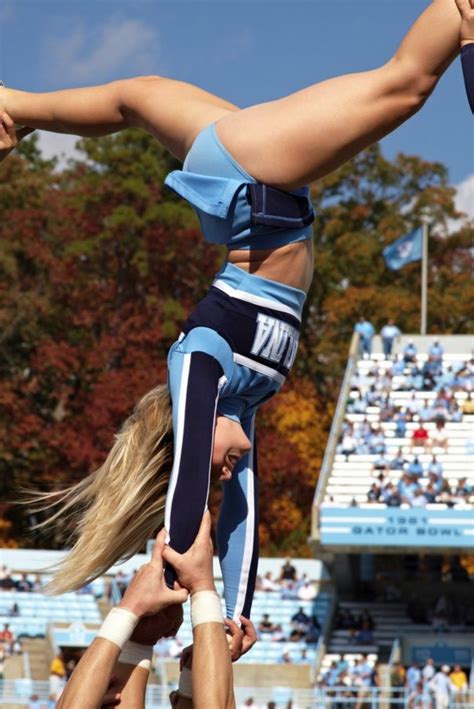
<point x="90" y="679"/>
<point x="90" y="112"/>
<point x="433" y="41"/>
<point x="212" y="668"/>
<point x="132" y="681"/>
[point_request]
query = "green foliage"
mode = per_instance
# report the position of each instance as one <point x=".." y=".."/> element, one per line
<point x="100" y="265"/>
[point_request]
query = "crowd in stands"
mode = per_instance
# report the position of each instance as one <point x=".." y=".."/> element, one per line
<point x="250" y="702"/>
<point x="419" y="484"/>
<point x="362" y="627"/>
<point x="303" y="628"/>
<point x="428" y="687"/>
<point x="351" y="679"/>
<point x="22" y="584"/>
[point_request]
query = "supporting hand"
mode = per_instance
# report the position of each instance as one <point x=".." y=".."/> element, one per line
<point x="194" y="568"/>
<point x="9" y="135"/>
<point x="147" y="593"/>
<point x="466" y="9"/>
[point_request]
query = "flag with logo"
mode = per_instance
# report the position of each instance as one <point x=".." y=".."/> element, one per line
<point x="404" y="250"/>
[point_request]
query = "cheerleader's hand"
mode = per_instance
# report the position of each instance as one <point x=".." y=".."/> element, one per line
<point x="466" y="10"/>
<point x="10" y="136"/>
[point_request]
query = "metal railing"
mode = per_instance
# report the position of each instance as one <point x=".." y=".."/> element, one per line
<point x="18" y="692"/>
<point x="330" y="452"/>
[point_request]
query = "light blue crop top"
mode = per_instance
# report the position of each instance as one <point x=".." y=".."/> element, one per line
<point x="215" y="184"/>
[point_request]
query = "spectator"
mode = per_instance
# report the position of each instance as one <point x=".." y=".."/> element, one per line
<point x="278" y="636"/>
<point x="391" y="496"/>
<point x="268" y="584"/>
<point x="420" y="437"/>
<point x="399" y="462"/>
<point x="6" y="636"/>
<point x="34" y="702"/>
<point x="401" y="423"/>
<point x="266" y="626"/>
<point x="419" y="499"/>
<point x="435" y="467"/>
<point x="314" y="631"/>
<point x="463" y="490"/>
<point x="428" y="671"/>
<point x="389" y="333"/>
<point x="288" y="571"/>
<point x="426" y="412"/>
<point x="468" y="405"/>
<point x="37" y="584"/>
<point x="430" y="494"/>
<point x="249" y="703"/>
<point x="300" y="620"/>
<point x="285" y="658"/>
<point x="23" y="585"/>
<point x="348" y="444"/>
<point x="57" y="676"/>
<point x="366" y="332"/>
<point x="14" y="610"/>
<point x="458" y="681"/>
<point x="415" y="467"/>
<point x="409" y="352"/>
<point x="122" y="582"/>
<point x="439" y="437"/>
<point x="413" y="676"/>
<point x="6" y="581"/>
<point x="303" y="658"/>
<point x="419" y="697"/>
<point x="307" y="591"/>
<point x="436" y="351"/>
<point x="374" y="493"/>
<point x="441" y="688"/>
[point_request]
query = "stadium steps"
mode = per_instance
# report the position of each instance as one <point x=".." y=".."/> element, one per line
<point x="39" y="651"/>
<point x="14" y="668"/>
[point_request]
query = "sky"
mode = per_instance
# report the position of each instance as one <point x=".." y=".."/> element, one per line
<point x="247" y="51"/>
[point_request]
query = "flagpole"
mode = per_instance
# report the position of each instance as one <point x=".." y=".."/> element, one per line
<point x="424" y="275"/>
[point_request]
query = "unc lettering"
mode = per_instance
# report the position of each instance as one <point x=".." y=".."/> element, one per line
<point x="275" y="340"/>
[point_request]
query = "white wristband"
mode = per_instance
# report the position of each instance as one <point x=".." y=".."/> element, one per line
<point x="118" y="626"/>
<point x="136" y="654"/>
<point x="206" y="608"/>
<point x="185" y="687"/>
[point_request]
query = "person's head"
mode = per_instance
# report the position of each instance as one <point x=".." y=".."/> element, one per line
<point x="457" y="668"/>
<point x="446" y="669"/>
<point x="128" y="492"/>
<point x="230" y="444"/>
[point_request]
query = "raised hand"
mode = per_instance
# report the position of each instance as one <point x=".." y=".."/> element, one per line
<point x="240" y="639"/>
<point x="194" y="568"/>
<point x="466" y="10"/>
<point x="147" y="594"/>
<point x="9" y="135"/>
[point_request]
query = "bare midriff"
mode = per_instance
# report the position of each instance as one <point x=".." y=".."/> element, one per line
<point x="292" y="264"/>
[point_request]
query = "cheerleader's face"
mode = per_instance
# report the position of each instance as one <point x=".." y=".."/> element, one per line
<point x="230" y="445"/>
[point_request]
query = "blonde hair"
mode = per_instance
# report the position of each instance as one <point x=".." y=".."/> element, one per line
<point x="120" y="505"/>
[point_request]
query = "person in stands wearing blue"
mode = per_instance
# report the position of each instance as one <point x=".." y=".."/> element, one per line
<point x="415" y="467"/>
<point x="389" y="333"/>
<point x="409" y="352"/>
<point x="436" y="351"/>
<point x="246" y="174"/>
<point x="366" y="332"/>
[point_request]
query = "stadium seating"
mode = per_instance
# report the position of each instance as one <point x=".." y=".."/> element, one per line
<point x="37" y="610"/>
<point x="280" y="612"/>
<point x="352" y="476"/>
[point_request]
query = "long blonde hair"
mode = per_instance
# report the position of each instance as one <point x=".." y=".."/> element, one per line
<point x="120" y="505"/>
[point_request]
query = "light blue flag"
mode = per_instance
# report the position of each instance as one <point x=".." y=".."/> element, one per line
<point x="404" y="250"/>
